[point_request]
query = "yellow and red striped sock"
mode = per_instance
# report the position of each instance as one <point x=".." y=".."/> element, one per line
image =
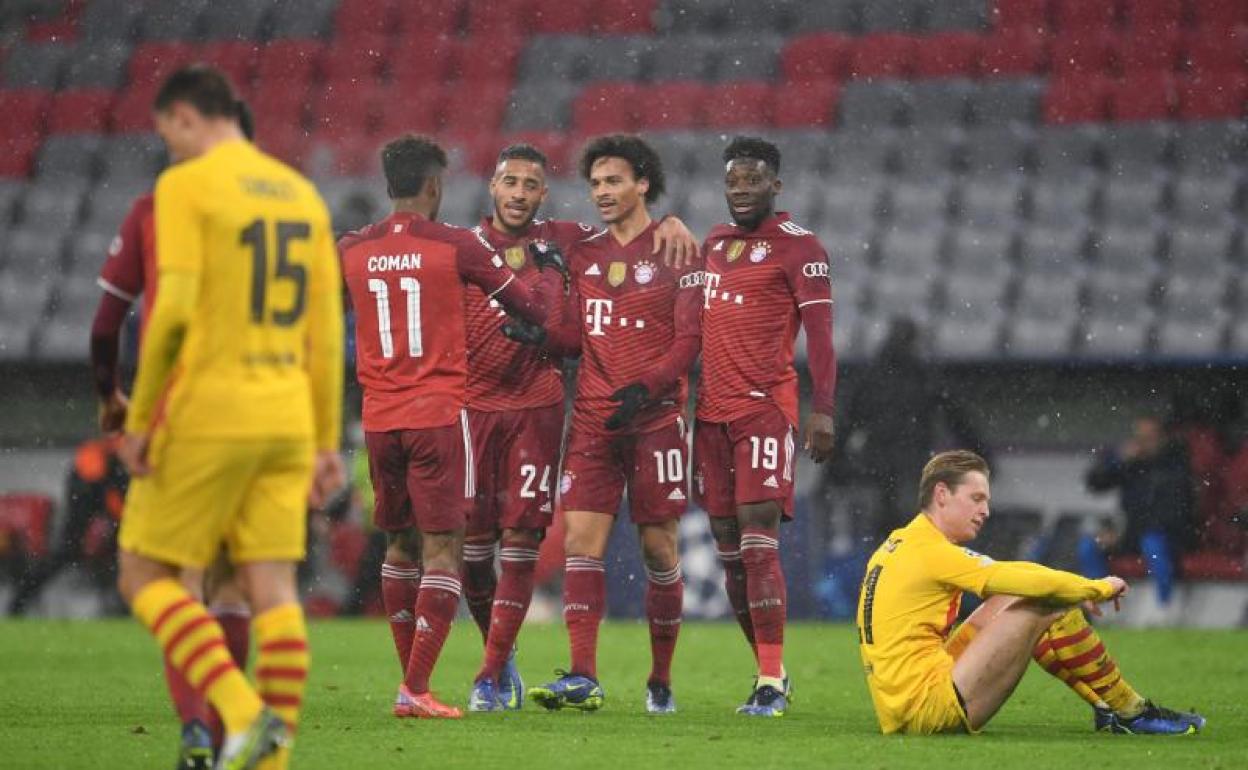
<point x="194" y="644"/>
<point x="1073" y="647"/>
<point x="282" y="660"/>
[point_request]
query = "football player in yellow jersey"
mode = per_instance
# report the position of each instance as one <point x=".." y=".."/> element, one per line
<point x="926" y="677"/>
<point x="233" y="426"/>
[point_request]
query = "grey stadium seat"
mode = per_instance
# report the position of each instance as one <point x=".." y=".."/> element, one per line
<point x="878" y="104"/>
<point x="998" y="101"/>
<point x="1203" y="201"/>
<point x="940" y="102"/>
<point x="987" y="254"/>
<point x="688" y="57"/>
<point x="68" y="155"/>
<point x="88" y="251"/>
<point x="52" y="205"/>
<point x="1053" y="251"/>
<point x="996" y="150"/>
<point x="34" y="251"/>
<point x="125" y="158"/>
<point x="10" y="191"/>
<point x="1193" y="322"/>
<point x="1207" y="149"/>
<point x="464" y="201"/>
<point x="914" y="254"/>
<point x="569" y="199"/>
<point x="1063" y="153"/>
<point x="1201" y="251"/>
<point x="1237" y="338"/>
<point x="803" y="153"/>
<point x="992" y="203"/>
<point x="927" y="154"/>
<point x="802" y="196"/>
<point x="684" y="152"/>
<point x="918" y="205"/>
<point x="1117" y="324"/>
<point x="615" y="57"/>
<point x="1126" y="251"/>
<point x="850" y="207"/>
<point x="171" y="21"/>
<point x="1043" y="325"/>
<point x="235" y="19"/>
<point x="750" y="58"/>
<point x="900" y="294"/>
<point x="1134" y="202"/>
<point x="109" y="19"/>
<point x="954" y="15"/>
<point x="970" y="324"/>
<point x="24" y="290"/>
<point x="1135" y="150"/>
<point x="1058" y="203"/>
<point x="890" y="15"/>
<point x="859" y="155"/>
<point x="536" y="106"/>
<point x="556" y="59"/>
<point x="838" y="15"/>
<point x="65" y="335"/>
<point x="848" y="247"/>
<point x="99" y="64"/>
<point x="303" y="18"/>
<point x="725" y="16"/>
<point x="35" y="65"/>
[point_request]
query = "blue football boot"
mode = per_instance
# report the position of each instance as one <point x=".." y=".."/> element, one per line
<point x="765" y="701"/>
<point x="569" y="691"/>
<point x="1153" y="720"/>
<point x="510" y="685"/>
<point x="659" y="699"/>
<point x="485" y="697"/>
<point x="196" y="751"/>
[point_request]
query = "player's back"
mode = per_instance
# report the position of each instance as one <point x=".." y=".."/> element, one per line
<point x="404" y="279"/>
<point x="259" y="235"/>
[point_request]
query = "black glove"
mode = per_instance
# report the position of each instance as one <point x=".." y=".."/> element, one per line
<point x="546" y="254"/>
<point x="520" y="330"/>
<point x="632" y="398"/>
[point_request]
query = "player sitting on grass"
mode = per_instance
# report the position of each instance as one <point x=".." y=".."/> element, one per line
<point x="923" y="679"/>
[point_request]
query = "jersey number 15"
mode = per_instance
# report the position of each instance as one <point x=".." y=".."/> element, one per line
<point x="253" y="235"/>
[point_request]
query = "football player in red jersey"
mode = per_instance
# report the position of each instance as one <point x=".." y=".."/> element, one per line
<point x="635" y="324"/>
<point x="406" y="277"/>
<point x="129" y="274"/>
<point x="515" y="414"/>
<point x="765" y="276"/>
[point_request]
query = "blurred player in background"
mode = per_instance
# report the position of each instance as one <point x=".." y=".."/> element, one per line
<point x="129" y="272"/>
<point x="765" y="277"/>
<point x="635" y="324"/>
<point x="233" y="425"/>
<point x="407" y="277"/>
<point x="515" y="412"/>
<point x="925" y="679"/>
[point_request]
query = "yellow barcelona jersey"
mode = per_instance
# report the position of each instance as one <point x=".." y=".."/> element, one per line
<point x="253" y="328"/>
<point x="909" y="602"/>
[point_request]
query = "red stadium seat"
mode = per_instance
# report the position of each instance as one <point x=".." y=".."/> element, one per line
<point x="24" y="111"/>
<point x="353" y="156"/>
<point x="671" y="105"/>
<point x="1219" y="14"/>
<point x="1128" y="566"/>
<point x="802" y="105"/>
<point x="812" y="58"/>
<point x="1029" y="15"/>
<point x="288" y="61"/>
<point x="558" y="147"/>
<point x="286" y="142"/>
<point x="1082" y="16"/>
<point x="18" y="158"/>
<point x="476" y="151"/>
<point x="1143" y="96"/>
<point x="561" y="17"/>
<point x="1090" y="53"/>
<point x="742" y="104"/>
<point x="151" y="63"/>
<point x="362" y="59"/>
<point x="475" y="110"/>
<point x="887" y="55"/>
<point x="499" y="18"/>
<point x="486" y="60"/>
<point x="429" y="18"/>
<point x="425" y="65"/>
<point x="346" y="110"/>
<point x="624" y="17"/>
<point x="133" y="109"/>
<point x="279" y="102"/>
<point x="602" y="108"/>
<point x="1013" y="52"/>
<point x="83" y="110"/>
<point x="27" y="517"/>
<point x="1211" y="565"/>
<point x="1144" y="15"/>
<point x="1153" y="51"/>
<point x="1213" y="97"/>
<point x="411" y="109"/>
<point x="1208" y="51"/>
<point x="357" y="19"/>
<point x="1077" y="100"/>
<point x="949" y="54"/>
<point x="236" y="58"/>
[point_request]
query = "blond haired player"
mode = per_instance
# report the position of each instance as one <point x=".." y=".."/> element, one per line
<point x="236" y="408"/>
<point x="923" y="679"/>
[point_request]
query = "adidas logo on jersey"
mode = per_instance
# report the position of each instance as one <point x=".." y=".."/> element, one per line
<point x="422" y="625"/>
<point x="593" y="270"/>
<point x="676" y="495"/>
<point x="771" y="482"/>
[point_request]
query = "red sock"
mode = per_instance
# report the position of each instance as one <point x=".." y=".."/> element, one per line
<point x="735" y="585"/>
<point x="236" y="625"/>
<point x="584" y="595"/>
<point x="400" y="582"/>
<point x="760" y="552"/>
<point x="435" y="611"/>
<point x="189" y="704"/>
<point x="665" y="597"/>
<point x="480" y="583"/>
<point x="511" y="604"/>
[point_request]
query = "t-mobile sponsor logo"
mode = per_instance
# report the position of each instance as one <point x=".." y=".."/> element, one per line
<point x="598" y="317"/>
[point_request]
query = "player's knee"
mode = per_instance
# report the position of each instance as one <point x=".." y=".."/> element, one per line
<point x="530" y="538"/>
<point x="442" y="550"/>
<point x="403" y="545"/>
<point x="764" y="515"/>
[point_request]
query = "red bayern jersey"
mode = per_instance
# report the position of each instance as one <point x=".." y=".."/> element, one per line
<point x="756" y="284"/>
<point x="406" y="276"/>
<point x="638" y="321"/>
<point x="130" y="270"/>
<point x="505" y="375"/>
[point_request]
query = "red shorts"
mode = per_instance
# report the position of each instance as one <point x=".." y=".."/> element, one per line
<point x="749" y="460"/>
<point x="517" y="457"/>
<point x="596" y="469"/>
<point x="421" y="478"/>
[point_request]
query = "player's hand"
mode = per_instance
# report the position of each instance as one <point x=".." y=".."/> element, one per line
<point x="680" y="248"/>
<point x="524" y="332"/>
<point x="329" y="475"/>
<point x="632" y="398"/>
<point x="547" y="255"/>
<point x="1120" y="590"/>
<point x="133" y="453"/>
<point x="819" y="437"/>
<point x="113" y="412"/>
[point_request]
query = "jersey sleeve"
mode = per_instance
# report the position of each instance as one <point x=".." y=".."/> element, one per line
<point x="481" y="265"/>
<point x="326" y="340"/>
<point x="686" y="338"/>
<point x="981" y="575"/>
<point x="565" y="233"/>
<point x="808" y="273"/>
<point x="122" y="274"/>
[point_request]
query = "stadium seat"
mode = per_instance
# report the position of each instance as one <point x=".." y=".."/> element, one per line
<point x="236" y="58"/>
<point x="969" y="326"/>
<point x="499" y="18"/>
<point x="234" y="19"/>
<point x="619" y="57"/>
<point x="817" y="57"/>
<point x="1029" y="15"/>
<point x="1147" y="15"/>
<point x="690" y="57"/>
<point x="992" y="202"/>
<point x="549" y="58"/>
<point x="475" y="111"/>
<point x="1014" y="52"/>
<point x="673" y="105"/>
<point x="1066" y="152"/>
<point x="852" y="207"/>
<point x="52" y="205"/>
<point x="889" y="16"/>
<point x="602" y="108"/>
<point x="948" y="54"/>
<point x="952" y="15"/>
<point x="78" y="111"/>
<point x="887" y="55"/>
<point x="1088" y="53"/>
<point x="96" y="65"/>
<point x="1061" y="201"/>
<point x="941" y="103"/>
<point x="1117" y="325"/>
<point x="561" y="17"/>
<point x="420" y="110"/>
<point x="910" y="254"/>
<point x="68" y="155"/>
<point x="291" y="62"/>
<point x="356" y="19"/>
<point x="799" y="105"/>
<point x="1071" y="16"/>
<point x="927" y="154"/>
<point x="750" y="58"/>
<point x="918" y="205"/>
<point x="303" y="18"/>
<point x="151" y="63"/>
<point x="1053" y="251"/>
<point x="28" y="517"/>
<point x="109" y="20"/>
<point x="1133" y="202"/>
<point x="1207" y="149"/>
<point x="1136" y="150"/>
<point x="856" y="154"/>
<point x="1201" y="251"/>
<point x="1125" y="254"/>
<point x="25" y="111"/>
<point x="1191" y="323"/>
<point x="864" y="105"/>
<point x="1082" y="99"/>
<point x="364" y="60"/>
<point x="540" y="106"/>
<point x="1146" y="96"/>
<point x="1149" y="50"/>
<point x="1213" y="50"/>
<point x="1006" y="100"/>
<point x="624" y="17"/>
<point x="1219" y="14"/>
<point x="490" y="61"/>
<point x="35" y="65"/>
<point x="803" y="153"/>
<point x="981" y="252"/>
<point x="740" y="104"/>
<point x="1203" y="201"/>
<point x="1213" y="96"/>
<point x="171" y="21"/>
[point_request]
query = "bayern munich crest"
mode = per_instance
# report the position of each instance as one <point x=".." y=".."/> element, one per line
<point x="760" y="251"/>
<point x="643" y="272"/>
<point x="565" y="482"/>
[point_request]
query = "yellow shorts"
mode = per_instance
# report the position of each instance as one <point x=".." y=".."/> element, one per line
<point x="250" y="496"/>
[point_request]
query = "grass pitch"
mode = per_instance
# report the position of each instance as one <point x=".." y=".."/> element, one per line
<point x="90" y="695"/>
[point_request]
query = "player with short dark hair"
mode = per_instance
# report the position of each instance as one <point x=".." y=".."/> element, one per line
<point x="515" y="412"/>
<point x="635" y="324"/>
<point x="926" y="677"/>
<point x="406" y="276"/>
<point x="129" y="272"/>
<point x="233" y="426"/>
<point x="766" y="276"/>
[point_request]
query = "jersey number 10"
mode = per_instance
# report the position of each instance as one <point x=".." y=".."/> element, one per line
<point x="381" y="292"/>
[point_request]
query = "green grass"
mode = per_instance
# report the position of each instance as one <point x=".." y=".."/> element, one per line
<point x="90" y="695"/>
